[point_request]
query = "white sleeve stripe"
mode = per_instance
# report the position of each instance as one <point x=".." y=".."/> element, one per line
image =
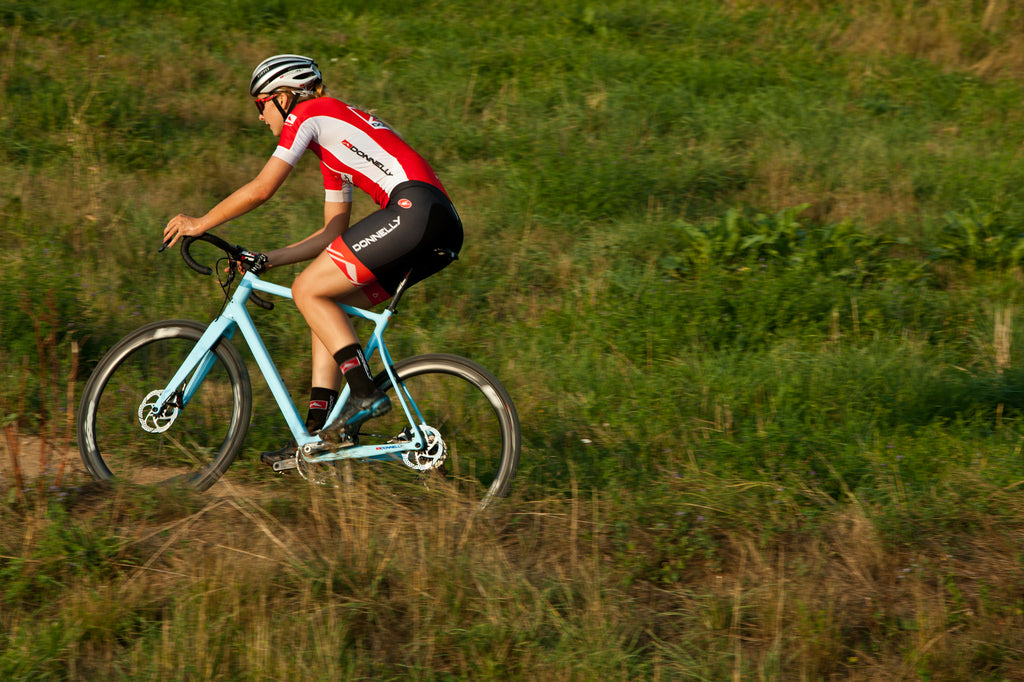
<point x="287" y="155"/>
<point x="343" y="196"/>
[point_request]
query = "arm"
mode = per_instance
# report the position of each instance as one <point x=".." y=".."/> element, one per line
<point x="336" y="219"/>
<point x="241" y="201"/>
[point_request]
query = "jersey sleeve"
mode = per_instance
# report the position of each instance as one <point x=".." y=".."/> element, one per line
<point x="337" y="186"/>
<point x="294" y="140"/>
<point x="288" y="155"/>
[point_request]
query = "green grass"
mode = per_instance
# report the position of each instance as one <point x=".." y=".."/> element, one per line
<point x="751" y="272"/>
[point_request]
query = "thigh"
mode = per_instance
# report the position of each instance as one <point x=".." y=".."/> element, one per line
<point x="323" y="278"/>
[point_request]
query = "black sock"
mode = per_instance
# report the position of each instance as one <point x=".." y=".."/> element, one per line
<point x="321" y="400"/>
<point x="357" y="372"/>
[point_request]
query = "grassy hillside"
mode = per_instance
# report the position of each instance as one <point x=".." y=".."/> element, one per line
<point x="751" y="271"/>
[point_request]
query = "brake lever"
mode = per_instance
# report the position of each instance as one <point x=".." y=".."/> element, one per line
<point x="233" y="265"/>
<point x="234" y="268"/>
<point x="263" y="303"/>
<point x="231" y="274"/>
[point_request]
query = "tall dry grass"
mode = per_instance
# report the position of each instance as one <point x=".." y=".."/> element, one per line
<point x="352" y="582"/>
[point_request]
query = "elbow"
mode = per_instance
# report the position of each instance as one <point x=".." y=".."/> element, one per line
<point x="259" y="193"/>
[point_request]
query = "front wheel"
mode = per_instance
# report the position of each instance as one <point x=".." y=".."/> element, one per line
<point x="467" y="409"/>
<point x="193" y="441"/>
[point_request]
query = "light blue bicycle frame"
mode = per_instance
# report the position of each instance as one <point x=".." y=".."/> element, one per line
<point x="236" y="316"/>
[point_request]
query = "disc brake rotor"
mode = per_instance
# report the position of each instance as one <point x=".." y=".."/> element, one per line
<point x="431" y="456"/>
<point x="152" y="420"/>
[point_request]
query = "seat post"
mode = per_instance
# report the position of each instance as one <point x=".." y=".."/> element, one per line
<point x="398" y="292"/>
<point x="404" y="284"/>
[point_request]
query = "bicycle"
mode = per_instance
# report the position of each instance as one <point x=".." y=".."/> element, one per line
<point x="172" y="401"/>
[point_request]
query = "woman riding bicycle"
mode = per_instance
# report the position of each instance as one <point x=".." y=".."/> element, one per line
<point x="416" y="229"/>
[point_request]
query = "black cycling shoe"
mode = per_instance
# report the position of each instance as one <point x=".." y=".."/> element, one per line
<point x="357" y="411"/>
<point x="278" y="459"/>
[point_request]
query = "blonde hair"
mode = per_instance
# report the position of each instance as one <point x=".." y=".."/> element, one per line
<point x="303" y="95"/>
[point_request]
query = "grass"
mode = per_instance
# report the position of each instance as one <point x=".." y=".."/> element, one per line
<point x="751" y="272"/>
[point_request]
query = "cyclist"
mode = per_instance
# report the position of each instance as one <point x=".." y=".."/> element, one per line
<point x="416" y="228"/>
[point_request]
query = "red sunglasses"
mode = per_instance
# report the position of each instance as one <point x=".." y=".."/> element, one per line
<point x="261" y="102"/>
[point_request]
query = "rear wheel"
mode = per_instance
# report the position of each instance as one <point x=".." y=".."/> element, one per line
<point x="471" y="423"/>
<point x="190" y="443"/>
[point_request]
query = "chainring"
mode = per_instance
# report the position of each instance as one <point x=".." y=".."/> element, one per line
<point x="317" y="473"/>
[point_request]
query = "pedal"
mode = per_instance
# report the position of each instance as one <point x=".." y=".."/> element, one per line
<point x="285" y="464"/>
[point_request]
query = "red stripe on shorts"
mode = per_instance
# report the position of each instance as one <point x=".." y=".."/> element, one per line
<point x="343" y="257"/>
<point x="356" y="272"/>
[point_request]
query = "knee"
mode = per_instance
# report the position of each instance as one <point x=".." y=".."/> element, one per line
<point x="302" y="290"/>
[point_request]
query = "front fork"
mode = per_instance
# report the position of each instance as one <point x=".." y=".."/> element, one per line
<point x="160" y="408"/>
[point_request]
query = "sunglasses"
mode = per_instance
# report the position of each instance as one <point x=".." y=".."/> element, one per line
<point x="261" y="102"/>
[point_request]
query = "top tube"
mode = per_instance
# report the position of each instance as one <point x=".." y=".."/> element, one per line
<point x="255" y="283"/>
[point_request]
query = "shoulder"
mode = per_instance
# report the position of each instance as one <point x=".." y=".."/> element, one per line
<point x="321" y="106"/>
<point x="335" y="108"/>
<point x="320" y="109"/>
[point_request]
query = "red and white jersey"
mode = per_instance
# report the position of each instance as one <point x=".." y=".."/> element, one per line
<point x="353" y="148"/>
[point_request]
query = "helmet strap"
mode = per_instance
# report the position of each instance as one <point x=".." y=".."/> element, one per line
<point x="284" y="114"/>
<point x="291" y="106"/>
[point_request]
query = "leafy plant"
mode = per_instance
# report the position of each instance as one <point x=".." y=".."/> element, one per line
<point x="981" y="237"/>
<point x="744" y="238"/>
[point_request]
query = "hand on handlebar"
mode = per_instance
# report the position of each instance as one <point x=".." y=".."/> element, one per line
<point x="239" y="258"/>
<point x="180" y="226"/>
<point x="256" y="263"/>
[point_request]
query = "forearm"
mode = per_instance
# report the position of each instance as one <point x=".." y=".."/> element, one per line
<point x="240" y="202"/>
<point x="307" y="249"/>
<point x="336" y="219"/>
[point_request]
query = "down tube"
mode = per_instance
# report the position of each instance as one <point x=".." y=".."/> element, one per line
<point x="272" y="377"/>
<point x="198" y="362"/>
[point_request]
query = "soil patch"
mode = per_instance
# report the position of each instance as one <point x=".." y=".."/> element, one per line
<point x="29" y="457"/>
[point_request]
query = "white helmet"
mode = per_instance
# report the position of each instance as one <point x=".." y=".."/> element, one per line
<point x="285" y="71"/>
